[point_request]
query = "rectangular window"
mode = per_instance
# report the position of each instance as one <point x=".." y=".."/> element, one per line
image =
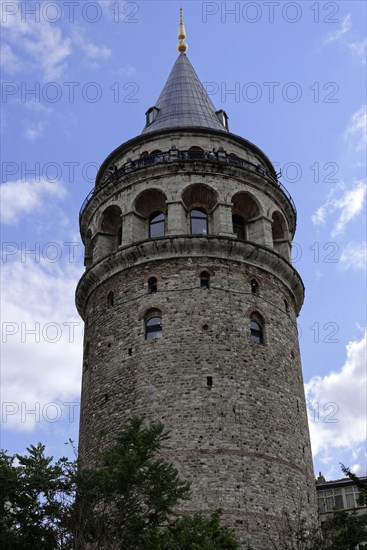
<point x="339" y="502"/>
<point x="349" y="498"/>
<point x="329" y="503"/>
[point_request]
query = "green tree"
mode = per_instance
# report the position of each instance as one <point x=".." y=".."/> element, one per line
<point x="127" y="503"/>
<point x="198" y="533"/>
<point x="343" y="531"/>
<point x="36" y="499"/>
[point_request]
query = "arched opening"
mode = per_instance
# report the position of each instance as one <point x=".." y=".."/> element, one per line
<point x="204" y="280"/>
<point x="152" y="285"/>
<point x="199" y="200"/>
<point x="245" y="205"/>
<point x="153" y="325"/>
<point x="156" y="225"/>
<point x="199" y="196"/>
<point x="281" y="242"/>
<point x="198" y="222"/>
<point x="111" y="220"/>
<point x="278" y="227"/>
<point x="111" y="229"/>
<point x="245" y="211"/>
<point x="151" y="210"/>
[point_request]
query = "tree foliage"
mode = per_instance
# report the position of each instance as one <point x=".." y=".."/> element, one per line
<point x="36" y="499"/>
<point x="127" y="503"/>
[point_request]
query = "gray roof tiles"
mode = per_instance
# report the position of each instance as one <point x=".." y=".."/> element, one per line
<point x="184" y="101"/>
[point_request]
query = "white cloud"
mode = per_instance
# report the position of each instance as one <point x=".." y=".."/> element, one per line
<point x="91" y="50"/>
<point x="354" y="256"/>
<point x="349" y="205"/>
<point x="41" y="350"/>
<point x="127" y="70"/>
<point x="44" y="46"/>
<point x="356" y="132"/>
<point x="24" y="197"/>
<point x="344" y="35"/>
<point x="336" y="35"/>
<point x="43" y="42"/>
<point x="35" y="130"/>
<point x="358" y="48"/>
<point x="337" y="404"/>
<point x="9" y="61"/>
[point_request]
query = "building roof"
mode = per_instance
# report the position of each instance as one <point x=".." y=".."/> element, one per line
<point x="184" y="101"/>
<point x="320" y="485"/>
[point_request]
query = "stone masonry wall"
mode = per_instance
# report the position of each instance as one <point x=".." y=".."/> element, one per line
<point x="243" y="441"/>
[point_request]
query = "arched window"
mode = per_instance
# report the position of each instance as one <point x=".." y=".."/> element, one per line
<point x="199" y="222"/>
<point x="256" y="330"/>
<point x="286" y="306"/>
<point x="278" y="226"/>
<point x="151" y="208"/>
<point x="110" y="299"/>
<point x="204" y="280"/>
<point x="153" y="326"/>
<point x="239" y="227"/>
<point x="152" y="285"/>
<point x="254" y="287"/>
<point x="156" y="225"/>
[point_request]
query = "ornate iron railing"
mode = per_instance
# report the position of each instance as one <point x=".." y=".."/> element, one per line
<point x="173" y="155"/>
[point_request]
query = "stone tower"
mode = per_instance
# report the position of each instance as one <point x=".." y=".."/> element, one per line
<point x="190" y="304"/>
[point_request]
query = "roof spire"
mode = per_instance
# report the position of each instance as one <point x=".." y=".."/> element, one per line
<point x="181" y="46"/>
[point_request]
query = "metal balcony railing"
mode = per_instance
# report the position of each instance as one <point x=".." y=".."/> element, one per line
<point x="174" y="155"/>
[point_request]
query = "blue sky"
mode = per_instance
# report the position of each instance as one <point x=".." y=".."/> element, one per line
<point x="77" y="80"/>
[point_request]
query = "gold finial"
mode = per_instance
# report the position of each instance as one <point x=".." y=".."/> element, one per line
<point x="181" y="46"/>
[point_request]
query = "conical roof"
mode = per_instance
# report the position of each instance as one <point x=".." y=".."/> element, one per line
<point x="184" y="101"/>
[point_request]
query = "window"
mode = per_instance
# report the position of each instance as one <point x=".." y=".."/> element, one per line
<point x="204" y="280"/>
<point x="156" y="225"/>
<point x="151" y="115"/>
<point x="239" y="227"/>
<point x="286" y="306"/>
<point x="199" y="222"/>
<point x="255" y="287"/>
<point x="152" y="285"/>
<point x="110" y="299"/>
<point x="256" y="331"/>
<point x="153" y="328"/>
